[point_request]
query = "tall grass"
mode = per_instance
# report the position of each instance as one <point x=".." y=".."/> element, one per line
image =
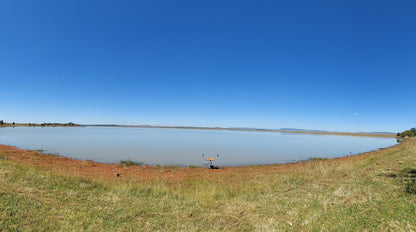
<point x="367" y="192"/>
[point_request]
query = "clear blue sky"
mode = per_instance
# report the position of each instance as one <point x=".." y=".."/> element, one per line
<point x="331" y="65"/>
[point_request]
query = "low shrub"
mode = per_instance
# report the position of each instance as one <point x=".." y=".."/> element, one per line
<point x="129" y="163"/>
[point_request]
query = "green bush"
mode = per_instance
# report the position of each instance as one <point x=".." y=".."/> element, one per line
<point x="131" y="163"/>
<point x="408" y="133"/>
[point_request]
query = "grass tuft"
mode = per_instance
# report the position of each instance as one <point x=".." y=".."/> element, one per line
<point x="411" y="187"/>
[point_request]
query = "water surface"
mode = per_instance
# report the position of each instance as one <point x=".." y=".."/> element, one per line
<point x="184" y="147"/>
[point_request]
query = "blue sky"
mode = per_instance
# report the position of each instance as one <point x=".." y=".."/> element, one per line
<point x="331" y="65"/>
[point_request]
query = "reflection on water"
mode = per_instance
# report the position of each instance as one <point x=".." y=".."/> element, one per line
<point x="184" y="147"/>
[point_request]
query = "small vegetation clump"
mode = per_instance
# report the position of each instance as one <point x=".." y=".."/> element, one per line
<point x="411" y="187"/>
<point x="409" y="177"/>
<point x="407" y="133"/>
<point x="129" y="163"/>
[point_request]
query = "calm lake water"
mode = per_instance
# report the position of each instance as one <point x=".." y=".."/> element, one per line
<point x="184" y="147"/>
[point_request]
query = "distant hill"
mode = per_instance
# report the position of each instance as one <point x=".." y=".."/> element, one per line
<point x="295" y="129"/>
<point x="235" y="128"/>
<point x="305" y="130"/>
<point x="376" y="132"/>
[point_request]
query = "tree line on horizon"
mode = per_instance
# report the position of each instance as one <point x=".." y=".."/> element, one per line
<point x="3" y="123"/>
<point x="407" y="133"/>
<point x="53" y="124"/>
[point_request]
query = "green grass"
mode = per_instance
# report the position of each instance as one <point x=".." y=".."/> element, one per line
<point x="368" y="194"/>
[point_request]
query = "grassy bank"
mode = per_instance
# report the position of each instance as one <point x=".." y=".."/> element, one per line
<point x="372" y="191"/>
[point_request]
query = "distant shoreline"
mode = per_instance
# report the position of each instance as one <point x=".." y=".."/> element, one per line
<point x="364" y="134"/>
<point x="298" y="131"/>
